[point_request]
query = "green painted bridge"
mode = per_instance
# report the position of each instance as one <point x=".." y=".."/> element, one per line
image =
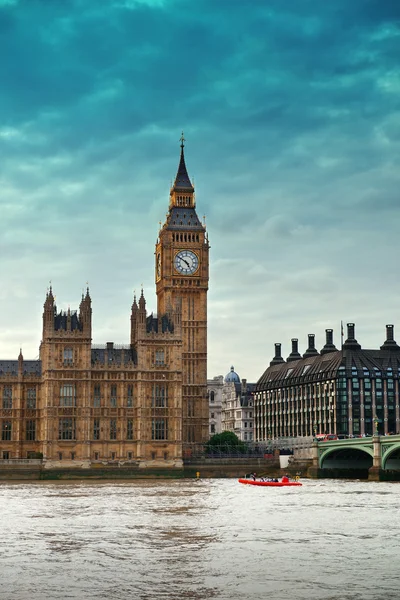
<point x="375" y="454"/>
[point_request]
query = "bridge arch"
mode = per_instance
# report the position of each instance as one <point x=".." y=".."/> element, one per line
<point x="391" y="457"/>
<point x="346" y="457"/>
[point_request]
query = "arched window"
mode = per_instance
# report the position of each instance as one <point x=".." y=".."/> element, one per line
<point x="212" y="396"/>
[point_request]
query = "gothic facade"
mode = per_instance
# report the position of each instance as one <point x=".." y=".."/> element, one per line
<point x="144" y="402"/>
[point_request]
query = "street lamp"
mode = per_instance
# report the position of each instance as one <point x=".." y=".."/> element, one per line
<point x="376" y="423"/>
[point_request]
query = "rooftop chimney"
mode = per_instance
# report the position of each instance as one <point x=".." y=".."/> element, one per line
<point x="294" y="355"/>
<point x="311" y="350"/>
<point x="278" y="356"/>
<point x="351" y="342"/>
<point x="390" y="343"/>
<point x="329" y="345"/>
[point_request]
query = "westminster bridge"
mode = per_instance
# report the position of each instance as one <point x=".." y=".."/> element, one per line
<point x="375" y="454"/>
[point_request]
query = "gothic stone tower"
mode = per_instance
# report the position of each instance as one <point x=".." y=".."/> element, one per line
<point x="182" y="273"/>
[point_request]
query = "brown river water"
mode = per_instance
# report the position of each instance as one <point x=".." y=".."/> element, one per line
<point x="211" y="538"/>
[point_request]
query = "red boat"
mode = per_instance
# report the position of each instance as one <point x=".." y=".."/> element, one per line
<point x="270" y="483"/>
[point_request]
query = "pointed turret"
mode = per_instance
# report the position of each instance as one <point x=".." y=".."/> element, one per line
<point x="142" y="302"/>
<point x="182" y="182"/>
<point x="182" y="196"/>
<point x="20" y="362"/>
<point x="85" y="312"/>
<point x="48" y="313"/>
<point x="142" y="312"/>
<point x="134" y="313"/>
<point x="134" y="305"/>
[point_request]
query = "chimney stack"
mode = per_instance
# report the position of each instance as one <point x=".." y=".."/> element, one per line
<point x="351" y="342"/>
<point x="390" y="343"/>
<point x="329" y="345"/>
<point x="311" y="350"/>
<point x="278" y="356"/>
<point x="294" y="355"/>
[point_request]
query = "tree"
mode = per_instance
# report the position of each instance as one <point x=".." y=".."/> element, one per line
<point x="225" y="442"/>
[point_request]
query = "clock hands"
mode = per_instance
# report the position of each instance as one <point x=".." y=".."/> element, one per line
<point x="186" y="262"/>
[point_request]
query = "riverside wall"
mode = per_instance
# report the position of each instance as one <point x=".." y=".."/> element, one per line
<point x="213" y="468"/>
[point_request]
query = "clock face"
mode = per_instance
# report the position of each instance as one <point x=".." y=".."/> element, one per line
<point x="186" y="262"/>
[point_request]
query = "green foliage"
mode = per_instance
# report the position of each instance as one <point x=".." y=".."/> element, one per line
<point x="225" y="442"/>
<point x="227" y="437"/>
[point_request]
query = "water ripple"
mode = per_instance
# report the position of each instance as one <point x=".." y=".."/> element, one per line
<point x="198" y="539"/>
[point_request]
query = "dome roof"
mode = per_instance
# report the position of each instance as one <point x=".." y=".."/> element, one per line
<point x="232" y="377"/>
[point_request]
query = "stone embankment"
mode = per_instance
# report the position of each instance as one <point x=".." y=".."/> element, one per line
<point x="218" y="468"/>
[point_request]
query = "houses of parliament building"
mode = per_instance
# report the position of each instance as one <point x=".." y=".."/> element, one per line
<point x="144" y="403"/>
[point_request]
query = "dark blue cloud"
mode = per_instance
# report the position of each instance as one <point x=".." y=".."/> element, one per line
<point x="291" y="115"/>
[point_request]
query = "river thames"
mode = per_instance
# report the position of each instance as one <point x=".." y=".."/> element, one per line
<point x="211" y="538"/>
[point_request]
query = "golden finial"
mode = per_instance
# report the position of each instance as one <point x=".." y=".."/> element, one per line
<point x="182" y="140"/>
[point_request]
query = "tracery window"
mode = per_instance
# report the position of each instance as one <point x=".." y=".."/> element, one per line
<point x="129" y="401"/>
<point x="31" y="398"/>
<point x="129" y="429"/>
<point x="66" y="428"/>
<point x="159" y="429"/>
<point x="160" y="357"/>
<point x="6" y="431"/>
<point x="96" y="429"/>
<point x="113" y="396"/>
<point x="159" y="397"/>
<point x="68" y="357"/>
<point x="7" y="396"/>
<point x="30" y="430"/>
<point x="96" y="396"/>
<point x="67" y="395"/>
<point x="113" y="429"/>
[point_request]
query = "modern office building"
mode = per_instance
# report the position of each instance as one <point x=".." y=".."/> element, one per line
<point x="335" y="391"/>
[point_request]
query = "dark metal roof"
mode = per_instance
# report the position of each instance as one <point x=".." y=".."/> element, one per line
<point x="113" y="356"/>
<point x="182" y="181"/>
<point x="152" y="324"/>
<point x="245" y="395"/>
<point x="61" y="321"/>
<point x="183" y="218"/>
<point x="30" y="367"/>
<point x="356" y="362"/>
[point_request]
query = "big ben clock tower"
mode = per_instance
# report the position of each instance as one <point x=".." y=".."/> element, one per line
<point x="182" y="277"/>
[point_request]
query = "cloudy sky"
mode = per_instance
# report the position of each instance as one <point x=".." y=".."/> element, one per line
<point x="291" y="113"/>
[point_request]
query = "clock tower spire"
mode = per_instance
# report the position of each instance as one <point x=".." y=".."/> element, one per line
<point x="182" y="274"/>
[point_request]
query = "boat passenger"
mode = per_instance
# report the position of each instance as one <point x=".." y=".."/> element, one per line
<point x="285" y="479"/>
